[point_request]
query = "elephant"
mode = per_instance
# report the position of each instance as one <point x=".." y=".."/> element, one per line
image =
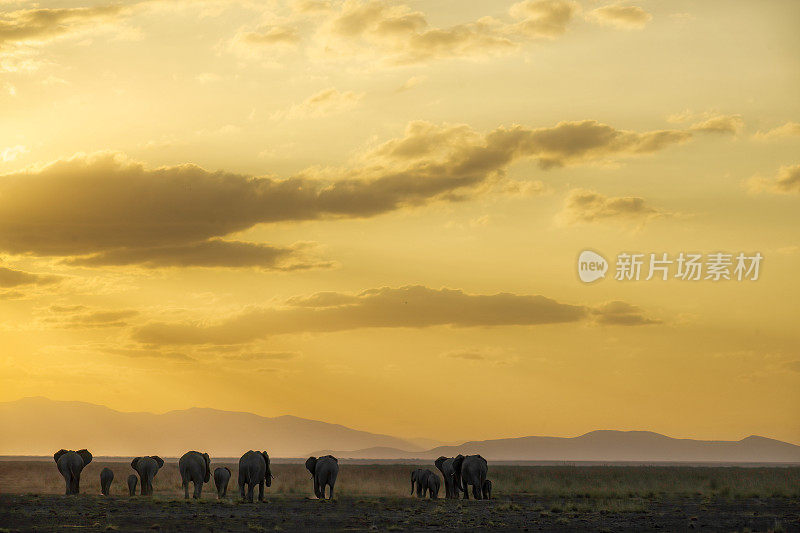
<point x="487" y="489"/>
<point x="416" y="478"/>
<point x="324" y="471"/>
<point x="452" y="479"/>
<point x="147" y="468"/>
<point x="70" y="463"/>
<point x="427" y="482"/>
<point x="106" y="477"/>
<point x="472" y="470"/>
<point x="195" y="467"/>
<point x="132" y="482"/>
<point x="254" y="470"/>
<point x="221" y="478"/>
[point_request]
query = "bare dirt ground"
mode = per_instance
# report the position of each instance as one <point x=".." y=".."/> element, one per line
<point x="520" y="513"/>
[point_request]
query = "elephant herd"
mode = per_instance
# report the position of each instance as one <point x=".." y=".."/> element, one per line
<point x="195" y="468"/>
<point x="459" y="474"/>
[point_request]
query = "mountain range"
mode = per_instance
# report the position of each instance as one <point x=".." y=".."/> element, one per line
<point x="39" y="426"/>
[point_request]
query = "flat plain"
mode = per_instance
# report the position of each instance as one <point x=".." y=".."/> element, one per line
<point x="376" y="497"/>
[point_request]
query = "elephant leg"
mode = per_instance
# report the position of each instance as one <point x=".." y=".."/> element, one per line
<point x="316" y="487"/>
<point x="476" y="492"/>
<point x="76" y="479"/>
<point x="198" y="490"/>
<point x="330" y="497"/>
<point x="465" y="489"/>
<point x="261" y="490"/>
<point x="250" y="488"/>
<point x="225" y="491"/>
<point x="241" y="489"/>
<point x="185" y="490"/>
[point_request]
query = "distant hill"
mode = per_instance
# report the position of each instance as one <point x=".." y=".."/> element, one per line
<point x="604" y="446"/>
<point x="39" y="426"/>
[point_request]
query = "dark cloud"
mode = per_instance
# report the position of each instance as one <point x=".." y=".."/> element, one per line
<point x="404" y="307"/>
<point x="210" y="253"/>
<point x="40" y="25"/>
<point x="80" y="316"/>
<point x="467" y="355"/>
<point x="543" y="18"/>
<point x="730" y="124"/>
<point x="621" y="16"/>
<point x="621" y="314"/>
<point x="786" y="181"/>
<point x="583" y="205"/>
<point x="10" y="277"/>
<point x="263" y="356"/>
<point x="137" y="352"/>
<point x="122" y="213"/>
<point x="398" y="34"/>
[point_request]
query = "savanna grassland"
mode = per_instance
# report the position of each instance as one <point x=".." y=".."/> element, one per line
<point x="611" y="498"/>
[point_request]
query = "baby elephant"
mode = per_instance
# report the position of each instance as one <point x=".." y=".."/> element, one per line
<point x="106" y="477"/>
<point x="147" y="468"/>
<point x="221" y="478"/>
<point x="427" y="482"/>
<point x="132" y="482"/>
<point x="487" y="489"/>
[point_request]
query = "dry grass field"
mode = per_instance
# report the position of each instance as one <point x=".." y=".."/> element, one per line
<point x="369" y="497"/>
<point x="42" y="477"/>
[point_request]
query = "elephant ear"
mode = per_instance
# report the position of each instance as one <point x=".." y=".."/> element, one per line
<point x="228" y="469"/>
<point x="86" y="456"/>
<point x="158" y="460"/>
<point x="58" y="454"/>
<point x="311" y="464"/>
<point x="439" y="462"/>
<point x="207" y="477"/>
<point x="457" y="461"/>
<point x="135" y="462"/>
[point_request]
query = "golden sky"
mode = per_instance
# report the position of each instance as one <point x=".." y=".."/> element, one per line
<point x="369" y="212"/>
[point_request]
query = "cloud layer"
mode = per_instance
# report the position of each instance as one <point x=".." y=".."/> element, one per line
<point x="582" y="205"/>
<point x="786" y="181"/>
<point x="396" y="33"/>
<point x="621" y="16"/>
<point x="10" y="277"/>
<point x="403" y="307"/>
<point x="122" y="213"/>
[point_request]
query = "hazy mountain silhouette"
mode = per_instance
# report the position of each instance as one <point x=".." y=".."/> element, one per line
<point x="605" y="446"/>
<point x="39" y="426"/>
